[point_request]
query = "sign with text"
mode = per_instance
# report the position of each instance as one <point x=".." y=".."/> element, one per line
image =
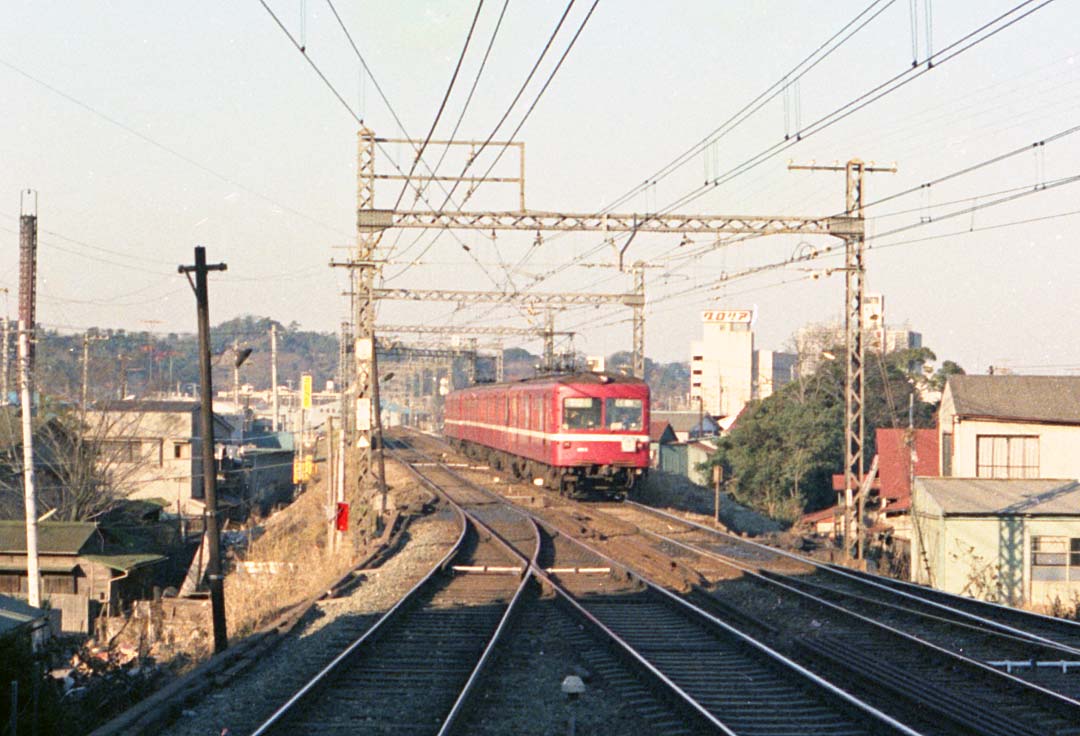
<point x="727" y="315"/>
<point x="305" y="391"/>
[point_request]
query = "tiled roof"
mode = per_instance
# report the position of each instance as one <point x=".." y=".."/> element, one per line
<point x="54" y="537"/>
<point x="683" y="421"/>
<point x="1003" y="497"/>
<point x="1033" y="398"/>
<point x="657" y="429"/>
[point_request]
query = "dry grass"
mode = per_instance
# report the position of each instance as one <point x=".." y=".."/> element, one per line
<point x="295" y="536"/>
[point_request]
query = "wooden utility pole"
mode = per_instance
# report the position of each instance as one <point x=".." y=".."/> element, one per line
<point x="206" y="414"/>
<point x="33" y="570"/>
<point x="273" y="376"/>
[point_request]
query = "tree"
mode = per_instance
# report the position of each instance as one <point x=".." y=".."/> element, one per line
<point x="783" y="451"/>
<point x="83" y="467"/>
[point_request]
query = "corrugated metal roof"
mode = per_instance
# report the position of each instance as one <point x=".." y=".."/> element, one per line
<point x="126" y="562"/>
<point x="54" y="537"/>
<point x="1003" y="497"/>
<point x="15" y="613"/>
<point x="1033" y="398"/>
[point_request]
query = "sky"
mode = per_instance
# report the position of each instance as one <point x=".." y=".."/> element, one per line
<point x="148" y="128"/>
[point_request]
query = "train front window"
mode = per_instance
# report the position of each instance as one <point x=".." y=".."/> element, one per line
<point x="581" y="412"/>
<point x="623" y="413"/>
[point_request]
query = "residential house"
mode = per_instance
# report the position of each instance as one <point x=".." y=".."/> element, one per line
<point x="79" y="575"/>
<point x="687" y="424"/>
<point x="660" y="434"/>
<point x="1014" y="541"/>
<point x="902" y="455"/>
<point x="685" y="458"/>
<point x="267" y="467"/>
<point x="1010" y="427"/>
<point x="153" y="450"/>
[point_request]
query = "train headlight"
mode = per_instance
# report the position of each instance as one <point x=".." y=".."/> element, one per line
<point x="566" y="444"/>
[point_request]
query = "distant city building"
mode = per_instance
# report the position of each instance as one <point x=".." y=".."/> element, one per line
<point x="726" y="373"/>
<point x="811" y="341"/>
<point x="772" y="370"/>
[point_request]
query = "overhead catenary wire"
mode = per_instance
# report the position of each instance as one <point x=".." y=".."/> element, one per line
<point x="442" y="107"/>
<point x="970" y="40"/>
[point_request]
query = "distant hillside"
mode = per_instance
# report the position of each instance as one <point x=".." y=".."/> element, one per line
<point x="140" y="363"/>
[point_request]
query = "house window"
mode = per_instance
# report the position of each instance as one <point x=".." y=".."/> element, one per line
<point x="946" y="454"/>
<point x="1007" y="456"/>
<point x="181" y="450"/>
<point x="121" y="451"/>
<point x="1055" y="559"/>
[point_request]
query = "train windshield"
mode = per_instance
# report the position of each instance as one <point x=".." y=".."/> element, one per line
<point x="581" y="412"/>
<point x="623" y="413"/>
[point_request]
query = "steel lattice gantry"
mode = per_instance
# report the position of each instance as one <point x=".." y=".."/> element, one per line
<point x="371" y="222"/>
<point x="533" y="220"/>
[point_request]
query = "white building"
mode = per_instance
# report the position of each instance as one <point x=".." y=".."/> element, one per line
<point x="1010" y="427"/>
<point x="722" y="362"/>
<point x="726" y="372"/>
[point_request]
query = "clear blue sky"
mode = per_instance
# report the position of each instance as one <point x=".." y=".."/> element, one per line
<point x="222" y="135"/>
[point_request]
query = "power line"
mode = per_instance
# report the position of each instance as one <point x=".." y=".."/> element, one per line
<point x="161" y="146"/>
<point x="514" y="102"/>
<point x="442" y="106"/>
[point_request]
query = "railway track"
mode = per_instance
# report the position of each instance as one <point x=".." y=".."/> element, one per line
<point x="934" y="654"/>
<point x="922" y="651"/>
<point x="413" y="668"/>
<point x="728" y="681"/>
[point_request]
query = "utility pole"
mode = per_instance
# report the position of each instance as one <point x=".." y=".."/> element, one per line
<point x="206" y="414"/>
<point x="86" y="364"/>
<point x="331" y="485"/>
<point x="28" y="268"/>
<point x="273" y="376"/>
<point x="236" y="374"/>
<point x="549" y="342"/>
<point x="368" y="233"/>
<point x="638" y="367"/>
<point x="30" y="499"/>
<point x="854" y="287"/>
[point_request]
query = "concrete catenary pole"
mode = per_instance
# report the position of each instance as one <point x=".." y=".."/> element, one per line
<point x="206" y="415"/>
<point x="32" y="567"/>
<point x="28" y="268"/>
<point x="273" y="377"/>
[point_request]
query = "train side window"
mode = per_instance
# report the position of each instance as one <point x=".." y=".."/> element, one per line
<point x="581" y="412"/>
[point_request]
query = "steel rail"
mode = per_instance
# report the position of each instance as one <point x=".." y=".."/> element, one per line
<point x="281" y="712"/>
<point x="1055" y="698"/>
<point x="866" y="579"/>
<point x="768" y="653"/>
<point x="529" y="564"/>
<point x="536" y="571"/>
<point x="764" y="649"/>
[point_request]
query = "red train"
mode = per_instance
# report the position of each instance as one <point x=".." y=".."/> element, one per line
<point x="576" y="432"/>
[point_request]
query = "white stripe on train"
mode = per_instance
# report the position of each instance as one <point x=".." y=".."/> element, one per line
<point x="551" y="436"/>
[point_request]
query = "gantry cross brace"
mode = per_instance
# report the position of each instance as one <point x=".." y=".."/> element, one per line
<point x="532" y="221"/>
